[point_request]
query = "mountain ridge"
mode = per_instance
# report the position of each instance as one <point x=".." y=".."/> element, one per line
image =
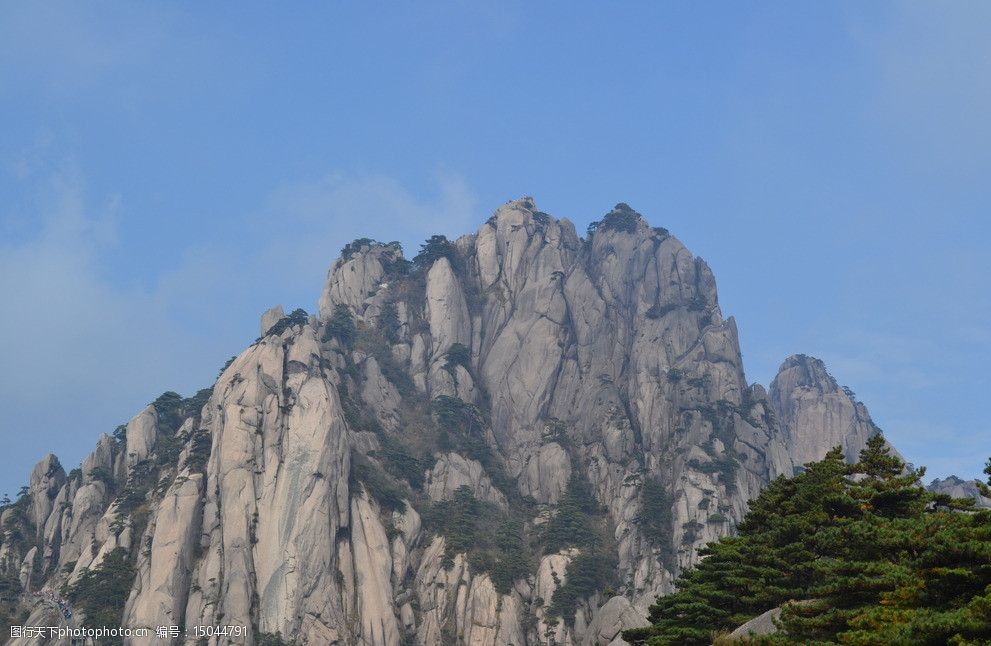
<point x="582" y="400"/>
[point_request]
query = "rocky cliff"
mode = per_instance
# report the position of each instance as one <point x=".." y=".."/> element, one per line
<point x="958" y="488"/>
<point x="518" y="437"/>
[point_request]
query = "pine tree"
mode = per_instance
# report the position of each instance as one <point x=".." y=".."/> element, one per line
<point x="912" y="568"/>
<point x="768" y="563"/>
<point x="873" y="557"/>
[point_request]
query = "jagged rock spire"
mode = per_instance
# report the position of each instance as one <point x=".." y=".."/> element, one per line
<point x="522" y="372"/>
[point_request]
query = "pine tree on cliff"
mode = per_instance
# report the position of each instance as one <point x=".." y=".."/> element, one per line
<point x="910" y="569"/>
<point x="768" y="563"/>
<point x="875" y="558"/>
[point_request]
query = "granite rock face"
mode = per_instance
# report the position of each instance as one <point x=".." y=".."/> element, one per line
<point x="271" y="316"/>
<point x="398" y="470"/>
<point x="815" y="414"/>
<point x="958" y="488"/>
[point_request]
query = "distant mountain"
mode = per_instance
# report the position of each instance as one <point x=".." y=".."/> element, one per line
<point x="954" y="486"/>
<point x="518" y="437"/>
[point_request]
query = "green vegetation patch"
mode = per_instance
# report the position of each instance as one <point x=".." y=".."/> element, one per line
<point x="375" y="342"/>
<point x="435" y="248"/>
<point x="389" y="494"/>
<point x="457" y="355"/>
<point x="100" y="593"/>
<point x="10" y="590"/>
<point x="18" y="530"/>
<point x="172" y="409"/>
<point x="580" y="522"/>
<point x="389" y="323"/>
<point x="587" y="574"/>
<point x="873" y="557"/>
<point x="297" y="317"/>
<point x="573" y="524"/>
<point x="621" y="218"/>
<point x="341" y="326"/>
<point x="655" y="518"/>
<point x="353" y="247"/>
<point x="199" y="451"/>
<point x="492" y="539"/>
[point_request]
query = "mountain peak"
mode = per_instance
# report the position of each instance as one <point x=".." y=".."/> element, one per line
<point x="514" y="212"/>
<point x="815" y="413"/>
<point x="427" y="446"/>
<point x="802" y="370"/>
<point x="358" y="272"/>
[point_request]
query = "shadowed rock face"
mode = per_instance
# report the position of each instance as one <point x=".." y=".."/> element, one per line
<point x="509" y="368"/>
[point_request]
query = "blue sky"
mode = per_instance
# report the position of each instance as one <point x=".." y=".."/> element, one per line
<point x="170" y="170"/>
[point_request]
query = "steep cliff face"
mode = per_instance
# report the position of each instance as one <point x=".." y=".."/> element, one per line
<point x="520" y="437"/>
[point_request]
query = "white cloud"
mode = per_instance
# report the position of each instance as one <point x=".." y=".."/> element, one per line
<point x="374" y="206"/>
<point x="282" y="252"/>
<point x="75" y="346"/>
<point x="84" y="349"/>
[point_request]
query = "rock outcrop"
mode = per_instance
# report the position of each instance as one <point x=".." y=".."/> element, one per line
<point x="814" y="414"/>
<point x="520" y="437"/>
<point x="271" y="316"/>
<point x="957" y="488"/>
<point x="762" y="624"/>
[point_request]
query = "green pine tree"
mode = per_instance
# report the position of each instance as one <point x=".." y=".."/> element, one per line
<point x="873" y="557"/>
<point x="767" y="564"/>
<point x="859" y="554"/>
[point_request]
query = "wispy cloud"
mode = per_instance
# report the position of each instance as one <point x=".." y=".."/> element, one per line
<point x="282" y="252"/>
<point x="75" y="345"/>
<point x="341" y="207"/>
<point x="84" y="349"/>
<point x="377" y="205"/>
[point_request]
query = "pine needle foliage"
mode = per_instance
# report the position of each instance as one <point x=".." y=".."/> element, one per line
<point x="492" y="538"/>
<point x="100" y="593"/>
<point x="873" y="557"/>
